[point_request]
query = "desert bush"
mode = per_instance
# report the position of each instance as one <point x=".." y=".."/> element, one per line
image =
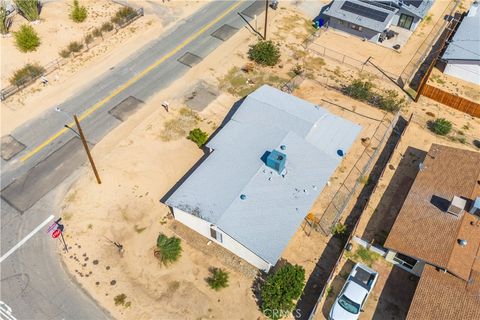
<point x="218" y="279"/>
<point x="29" y="9"/>
<point x="440" y="126"/>
<point x="339" y="229"/>
<point x="78" y="13"/>
<point x="75" y="46"/>
<point x="281" y="290"/>
<point x="265" y="53"/>
<point x="297" y="70"/>
<point x="123" y="15"/>
<point x="360" y="90"/>
<point x="390" y="101"/>
<point x="6" y="21"/>
<point x="65" y="53"/>
<point x="198" y="136"/>
<point x="97" y="33"/>
<point x="25" y="74"/>
<point x="169" y="249"/>
<point x="106" y="27"/>
<point x="120" y="299"/>
<point x="88" y="39"/>
<point x="26" y="39"/>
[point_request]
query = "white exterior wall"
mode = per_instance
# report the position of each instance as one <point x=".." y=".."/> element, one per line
<point x="465" y="70"/>
<point x="203" y="227"/>
<point x="370" y="35"/>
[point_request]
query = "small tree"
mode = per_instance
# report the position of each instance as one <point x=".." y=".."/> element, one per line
<point x="123" y="15"/>
<point x="88" y="39"/>
<point x="265" y="53"/>
<point x="29" y="9"/>
<point x="281" y="290"/>
<point x="6" y="21"/>
<point x="78" y="13"/>
<point x="169" y="249"/>
<point x="198" y="136"/>
<point x="27" y="73"/>
<point x="75" y="46"/>
<point x="218" y="279"/>
<point x="65" y="53"/>
<point x="97" y="33"/>
<point x="106" y="27"/>
<point x="26" y="39"/>
<point x="441" y="126"/>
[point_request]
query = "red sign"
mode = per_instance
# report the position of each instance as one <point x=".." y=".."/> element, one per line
<point x="56" y="233"/>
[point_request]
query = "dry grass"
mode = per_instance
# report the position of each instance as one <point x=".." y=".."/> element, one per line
<point x="179" y="126"/>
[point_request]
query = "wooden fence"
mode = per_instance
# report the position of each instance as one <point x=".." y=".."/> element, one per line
<point x="453" y="101"/>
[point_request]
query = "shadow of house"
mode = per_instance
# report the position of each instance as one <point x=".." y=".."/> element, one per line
<point x="206" y="152"/>
<point x="396" y="296"/>
<point x="383" y="218"/>
<point x="436" y="50"/>
<point x="336" y="286"/>
<point x="327" y="261"/>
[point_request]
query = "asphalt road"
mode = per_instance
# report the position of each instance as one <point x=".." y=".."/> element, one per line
<point x="33" y="181"/>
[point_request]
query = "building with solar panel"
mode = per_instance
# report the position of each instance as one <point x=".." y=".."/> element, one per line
<point x="373" y="20"/>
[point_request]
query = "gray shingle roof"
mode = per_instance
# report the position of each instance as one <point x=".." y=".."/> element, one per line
<point x="335" y="10"/>
<point x="465" y="44"/>
<point x="274" y="206"/>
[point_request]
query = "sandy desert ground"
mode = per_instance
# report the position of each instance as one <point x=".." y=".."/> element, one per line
<point x="141" y="160"/>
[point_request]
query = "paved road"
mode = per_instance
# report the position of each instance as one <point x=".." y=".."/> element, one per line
<point x="34" y="180"/>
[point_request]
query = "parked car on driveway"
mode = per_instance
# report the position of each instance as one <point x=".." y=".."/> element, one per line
<point x="354" y="294"/>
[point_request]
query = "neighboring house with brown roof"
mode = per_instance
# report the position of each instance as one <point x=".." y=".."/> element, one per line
<point x="437" y="235"/>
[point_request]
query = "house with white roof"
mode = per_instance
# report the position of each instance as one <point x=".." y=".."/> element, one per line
<point x="264" y="170"/>
<point x="463" y="51"/>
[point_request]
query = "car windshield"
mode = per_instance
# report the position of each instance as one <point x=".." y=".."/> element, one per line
<point x="348" y="304"/>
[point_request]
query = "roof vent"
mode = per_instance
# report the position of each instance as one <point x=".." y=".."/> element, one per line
<point x="243" y="197"/>
<point x="457" y="206"/>
<point x="475" y="209"/>
<point x="462" y="242"/>
<point x="276" y="160"/>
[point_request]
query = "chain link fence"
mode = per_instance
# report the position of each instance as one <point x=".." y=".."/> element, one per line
<point x="59" y="62"/>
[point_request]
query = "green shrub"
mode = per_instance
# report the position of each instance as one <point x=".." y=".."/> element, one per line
<point x="198" y="136"/>
<point x="265" y="53"/>
<point x="390" y="101"/>
<point x="78" y="13"/>
<point x="218" y="279"/>
<point x="169" y="249"/>
<point x="30" y="9"/>
<point x="281" y="290"/>
<point x="65" y="53"/>
<point x="360" y="90"/>
<point x="106" y="27"/>
<point x="88" y="39"/>
<point x="75" y="46"/>
<point x="120" y="299"/>
<point x="25" y="74"/>
<point x="123" y="15"/>
<point x="6" y="21"/>
<point x="440" y="126"/>
<point x="97" y="33"/>
<point x="339" y="229"/>
<point x="26" y="39"/>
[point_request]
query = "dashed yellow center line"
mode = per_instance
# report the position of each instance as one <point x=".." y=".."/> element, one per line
<point x="139" y="76"/>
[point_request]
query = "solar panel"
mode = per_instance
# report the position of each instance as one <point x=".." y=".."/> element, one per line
<point x="370" y="13"/>
<point x="415" y="3"/>
<point x="380" y="5"/>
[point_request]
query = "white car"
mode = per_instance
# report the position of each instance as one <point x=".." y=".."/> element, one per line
<point x="354" y="294"/>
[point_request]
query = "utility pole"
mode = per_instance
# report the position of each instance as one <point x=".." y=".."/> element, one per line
<point x="87" y="150"/>
<point x="266" y="18"/>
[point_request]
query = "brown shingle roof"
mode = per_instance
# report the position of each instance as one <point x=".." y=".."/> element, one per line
<point x="423" y="230"/>
<point x="441" y="295"/>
